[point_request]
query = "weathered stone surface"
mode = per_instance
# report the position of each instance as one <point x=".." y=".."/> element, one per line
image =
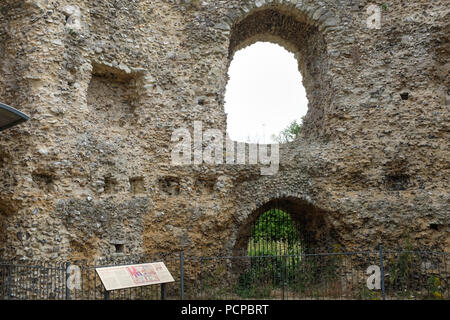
<point x="107" y="82"/>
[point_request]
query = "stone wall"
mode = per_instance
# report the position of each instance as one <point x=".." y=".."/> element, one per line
<point x="107" y="82"/>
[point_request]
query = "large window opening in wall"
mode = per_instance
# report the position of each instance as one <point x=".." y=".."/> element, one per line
<point x="265" y="99"/>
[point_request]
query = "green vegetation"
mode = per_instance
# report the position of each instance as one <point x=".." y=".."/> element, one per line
<point x="274" y="234"/>
<point x="211" y="282"/>
<point x="408" y="279"/>
<point x="276" y="264"/>
<point x="435" y="288"/>
<point x="311" y="276"/>
<point x="400" y="267"/>
<point x="277" y="226"/>
<point x="290" y="133"/>
<point x="365" y="293"/>
<point x="251" y="285"/>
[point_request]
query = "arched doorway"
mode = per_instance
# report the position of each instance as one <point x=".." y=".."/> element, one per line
<point x="286" y="225"/>
<point x="283" y="241"/>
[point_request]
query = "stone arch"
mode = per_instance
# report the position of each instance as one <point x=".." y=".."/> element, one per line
<point x="300" y="29"/>
<point x="312" y="222"/>
<point x="318" y="14"/>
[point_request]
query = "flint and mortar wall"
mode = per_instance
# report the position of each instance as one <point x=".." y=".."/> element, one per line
<point x="107" y="82"/>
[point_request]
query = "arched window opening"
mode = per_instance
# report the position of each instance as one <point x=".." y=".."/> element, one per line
<point x="265" y="99"/>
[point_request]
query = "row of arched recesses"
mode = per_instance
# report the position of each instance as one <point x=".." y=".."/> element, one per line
<point x="292" y="30"/>
<point x="305" y="228"/>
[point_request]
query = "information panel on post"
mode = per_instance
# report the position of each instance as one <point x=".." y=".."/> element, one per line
<point x="134" y="275"/>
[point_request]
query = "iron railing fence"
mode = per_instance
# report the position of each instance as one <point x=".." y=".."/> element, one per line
<point x="337" y="275"/>
<point x="31" y="280"/>
<point x="391" y="274"/>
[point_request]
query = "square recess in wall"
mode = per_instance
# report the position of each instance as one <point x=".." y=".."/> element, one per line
<point x="137" y="185"/>
<point x="119" y="247"/>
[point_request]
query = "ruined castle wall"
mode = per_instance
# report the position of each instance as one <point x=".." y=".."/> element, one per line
<point x="106" y="84"/>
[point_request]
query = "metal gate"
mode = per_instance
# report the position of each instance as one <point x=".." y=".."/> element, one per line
<point x="274" y="234"/>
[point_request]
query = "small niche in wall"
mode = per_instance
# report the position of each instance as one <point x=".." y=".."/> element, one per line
<point x="110" y="184"/>
<point x="397" y="182"/>
<point x="434" y="226"/>
<point x="137" y="185"/>
<point x="396" y="176"/>
<point x="43" y="181"/>
<point x="404" y="95"/>
<point x="119" y="247"/>
<point x="113" y="96"/>
<point x="169" y="185"/>
<point x="204" y="186"/>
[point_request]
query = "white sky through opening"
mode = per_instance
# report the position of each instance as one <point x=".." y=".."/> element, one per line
<point x="264" y="93"/>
